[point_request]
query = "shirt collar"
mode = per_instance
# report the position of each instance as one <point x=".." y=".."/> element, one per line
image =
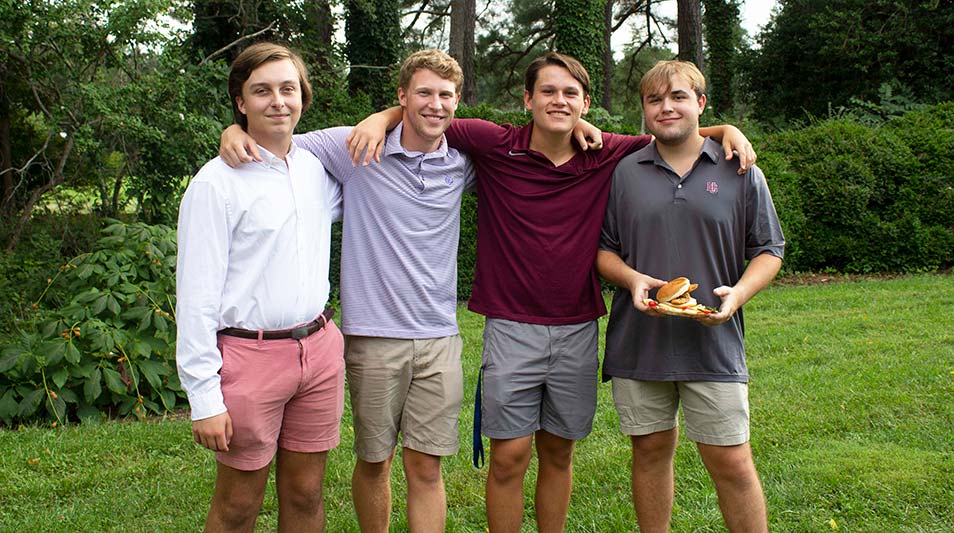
<point x="270" y="160"/>
<point x="710" y="149"/>
<point x="392" y="146"/>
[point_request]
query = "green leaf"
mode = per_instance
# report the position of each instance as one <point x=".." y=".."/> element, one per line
<point x="161" y="323"/>
<point x="151" y="370"/>
<point x="30" y="402"/>
<point x="168" y="399"/>
<point x="68" y="396"/>
<point x="142" y="348"/>
<point x="72" y="353"/>
<point x="60" y="376"/>
<point x="89" y="415"/>
<point x="114" y="381"/>
<point x="84" y="271"/>
<point x="8" y="407"/>
<point x="11" y="356"/>
<point x="92" y="388"/>
<point x="99" y="304"/>
<point x="146" y="321"/>
<point x="53" y="352"/>
<point x="113" y="305"/>
<point x="58" y="408"/>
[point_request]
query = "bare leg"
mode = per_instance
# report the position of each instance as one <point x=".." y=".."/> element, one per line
<point x="509" y="459"/>
<point x="554" y="481"/>
<point x="371" y="493"/>
<point x="737" y="484"/>
<point x="653" y="479"/>
<point x="426" y="501"/>
<point x="298" y="481"/>
<point x="237" y="499"/>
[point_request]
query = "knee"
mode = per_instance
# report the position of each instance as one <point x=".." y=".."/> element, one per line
<point x="237" y="510"/>
<point x="653" y="449"/>
<point x="556" y="457"/>
<point x="373" y="471"/>
<point x="423" y="474"/>
<point x="509" y="465"/>
<point x="733" y="465"/>
<point x="305" y="500"/>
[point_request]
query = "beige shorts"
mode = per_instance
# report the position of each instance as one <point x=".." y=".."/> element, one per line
<point x="411" y="386"/>
<point x="716" y="413"/>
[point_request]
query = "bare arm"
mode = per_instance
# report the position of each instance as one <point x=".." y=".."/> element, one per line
<point x="732" y="139"/>
<point x="758" y="274"/>
<point x="616" y="271"/>
<point x="368" y="136"/>
<point x="587" y="136"/>
<point x="237" y="147"/>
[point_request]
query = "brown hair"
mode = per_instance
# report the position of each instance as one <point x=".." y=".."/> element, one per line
<point x="658" y="77"/>
<point x="434" y="60"/>
<point x="575" y="68"/>
<point x="255" y="56"/>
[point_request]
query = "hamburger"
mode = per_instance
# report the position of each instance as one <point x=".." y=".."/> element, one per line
<point x="674" y="299"/>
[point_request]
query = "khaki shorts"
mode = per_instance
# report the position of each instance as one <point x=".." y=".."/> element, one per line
<point x="716" y="413"/>
<point x="411" y="386"/>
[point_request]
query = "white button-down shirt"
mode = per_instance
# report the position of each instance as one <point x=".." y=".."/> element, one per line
<point x="254" y="249"/>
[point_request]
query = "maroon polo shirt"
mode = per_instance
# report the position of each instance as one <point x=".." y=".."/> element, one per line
<point x="538" y="225"/>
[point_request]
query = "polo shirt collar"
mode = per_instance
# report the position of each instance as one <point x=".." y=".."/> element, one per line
<point x="392" y="146"/>
<point x="710" y="150"/>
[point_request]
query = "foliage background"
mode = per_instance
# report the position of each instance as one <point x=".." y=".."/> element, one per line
<point x="108" y="107"/>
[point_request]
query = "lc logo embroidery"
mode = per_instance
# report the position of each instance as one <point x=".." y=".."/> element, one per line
<point x="448" y="180"/>
<point x="712" y="187"/>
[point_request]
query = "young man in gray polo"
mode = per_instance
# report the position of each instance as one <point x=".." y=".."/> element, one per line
<point x="399" y="291"/>
<point x="677" y="208"/>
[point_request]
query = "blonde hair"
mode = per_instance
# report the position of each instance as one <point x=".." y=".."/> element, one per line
<point x="255" y="56"/>
<point x="434" y="60"/>
<point x="658" y="78"/>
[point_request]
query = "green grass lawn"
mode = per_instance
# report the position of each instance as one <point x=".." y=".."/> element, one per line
<point x="852" y="400"/>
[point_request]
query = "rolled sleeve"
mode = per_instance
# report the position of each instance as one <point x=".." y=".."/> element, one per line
<point x="763" y="229"/>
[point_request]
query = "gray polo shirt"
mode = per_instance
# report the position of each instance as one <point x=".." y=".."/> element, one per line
<point x="401" y="227"/>
<point x="704" y="226"/>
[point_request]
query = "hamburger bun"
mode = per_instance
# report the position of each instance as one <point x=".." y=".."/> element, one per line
<point x="672" y="290"/>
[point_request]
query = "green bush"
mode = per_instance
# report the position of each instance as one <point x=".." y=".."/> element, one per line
<point x="855" y="198"/>
<point x="108" y="346"/>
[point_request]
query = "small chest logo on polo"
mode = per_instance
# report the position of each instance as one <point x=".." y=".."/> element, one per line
<point x="448" y="180"/>
<point x="712" y="187"/>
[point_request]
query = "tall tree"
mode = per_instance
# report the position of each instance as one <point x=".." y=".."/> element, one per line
<point x="374" y="47"/>
<point x="723" y="41"/>
<point x="689" y="24"/>
<point x="462" y="44"/>
<point x="816" y="55"/>
<point x="579" y="31"/>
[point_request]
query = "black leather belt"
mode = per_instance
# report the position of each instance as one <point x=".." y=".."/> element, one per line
<point x="300" y="332"/>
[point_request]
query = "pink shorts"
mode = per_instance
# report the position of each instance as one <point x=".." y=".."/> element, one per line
<point x="282" y="393"/>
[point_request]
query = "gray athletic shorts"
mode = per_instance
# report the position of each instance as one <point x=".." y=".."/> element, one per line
<point x="539" y="377"/>
<point x="716" y="413"/>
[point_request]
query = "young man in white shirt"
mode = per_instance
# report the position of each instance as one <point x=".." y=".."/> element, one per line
<point x="256" y="351"/>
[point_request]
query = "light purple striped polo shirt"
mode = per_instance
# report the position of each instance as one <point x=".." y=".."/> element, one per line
<point x="400" y="234"/>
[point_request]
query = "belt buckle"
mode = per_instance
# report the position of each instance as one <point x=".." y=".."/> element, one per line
<point x="299" y="333"/>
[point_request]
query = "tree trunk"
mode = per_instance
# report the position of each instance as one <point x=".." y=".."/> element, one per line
<point x="607" y="102"/>
<point x="689" y="24"/>
<point x="463" y="25"/>
<point x="57" y="178"/>
<point x="6" y="150"/>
